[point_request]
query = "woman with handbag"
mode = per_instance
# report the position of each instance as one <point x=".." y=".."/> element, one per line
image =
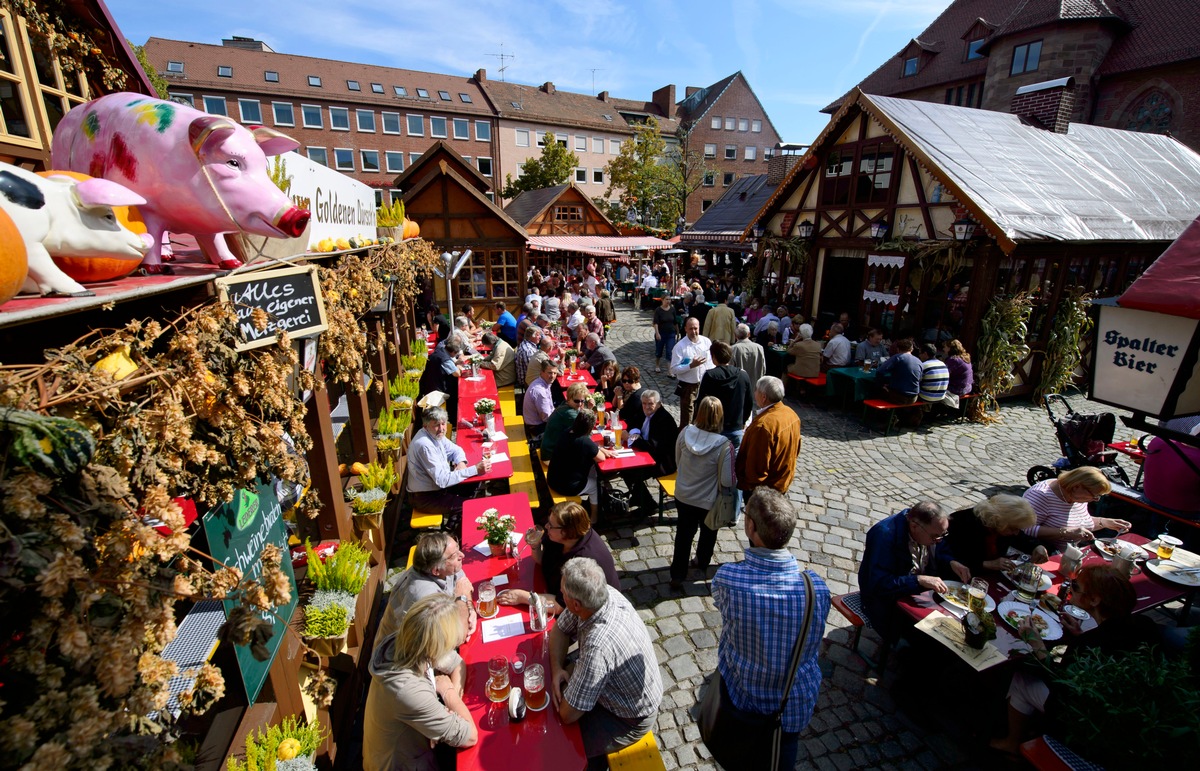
<point x="704" y="488"/>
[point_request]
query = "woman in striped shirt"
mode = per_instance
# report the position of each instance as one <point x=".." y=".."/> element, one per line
<point x="1061" y="506"/>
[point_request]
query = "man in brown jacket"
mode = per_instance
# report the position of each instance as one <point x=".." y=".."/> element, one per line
<point x="771" y="442"/>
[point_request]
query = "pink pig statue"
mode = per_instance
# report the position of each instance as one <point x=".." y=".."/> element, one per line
<point x="200" y="174"/>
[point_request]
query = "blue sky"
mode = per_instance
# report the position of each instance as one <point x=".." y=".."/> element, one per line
<point x="798" y="55"/>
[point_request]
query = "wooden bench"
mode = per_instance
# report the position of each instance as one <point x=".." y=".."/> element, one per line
<point x="666" y="487"/>
<point x="412" y="552"/>
<point x="890" y="409"/>
<point x="642" y="755"/>
<point x="809" y="382"/>
<point x="851" y="608"/>
<point x="1044" y="758"/>
<point x="1137" y="498"/>
<point x="423" y="520"/>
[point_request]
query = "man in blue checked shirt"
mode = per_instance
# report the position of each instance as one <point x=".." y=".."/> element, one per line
<point x="762" y="601"/>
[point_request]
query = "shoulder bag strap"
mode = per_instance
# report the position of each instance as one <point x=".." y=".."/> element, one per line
<point x="809" y="602"/>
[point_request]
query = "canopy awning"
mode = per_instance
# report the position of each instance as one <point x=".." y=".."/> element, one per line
<point x="1171" y="284"/>
<point x="600" y="246"/>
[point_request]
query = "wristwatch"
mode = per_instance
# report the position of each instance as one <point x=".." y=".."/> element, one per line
<point x="464" y="599"/>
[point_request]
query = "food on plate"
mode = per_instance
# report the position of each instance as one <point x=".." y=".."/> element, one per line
<point x="1108" y="546"/>
<point x="1013" y="617"/>
<point x="1051" y="602"/>
<point x="1040" y="625"/>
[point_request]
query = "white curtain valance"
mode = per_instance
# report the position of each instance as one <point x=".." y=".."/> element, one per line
<point x="881" y="297"/>
<point x="889" y="261"/>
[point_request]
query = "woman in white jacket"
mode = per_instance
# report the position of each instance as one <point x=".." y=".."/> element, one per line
<point x="705" y="460"/>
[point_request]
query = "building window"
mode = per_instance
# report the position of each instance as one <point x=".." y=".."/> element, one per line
<point x="183" y="99"/>
<point x="581" y="176"/>
<point x="215" y="105"/>
<point x="727" y="178"/>
<point x="391" y="122"/>
<point x="505" y="273"/>
<point x="343" y="159"/>
<point x="437" y="127"/>
<point x="339" y="119"/>
<point x="731" y="152"/>
<point x="516" y="105"/>
<point x="394" y="160"/>
<point x="271" y="76"/>
<point x="614" y="146"/>
<point x="910" y="67"/>
<point x="413" y="158"/>
<point x="580" y="144"/>
<point x="704" y="205"/>
<point x="730" y="123"/>
<point x="568" y="214"/>
<point x="462" y="128"/>
<point x="353" y="85"/>
<point x="224" y="71"/>
<point x="716" y="123"/>
<point x="175" y="67"/>
<point x="768" y="153"/>
<point x="973" y="52"/>
<point x="1150" y="114"/>
<point x="251" y="111"/>
<point x="370" y="160"/>
<point x="396" y="195"/>
<point x="522" y="137"/>
<point x="472" y="279"/>
<point x="598" y="145"/>
<point x="874" y="181"/>
<point x="422" y="93"/>
<point x="467" y="158"/>
<point x="541" y="139"/>
<point x="400" y="90"/>
<point x="376" y="88"/>
<point x="483" y="132"/>
<point x="314" y="81"/>
<point x="444" y="96"/>
<point x="1026" y="57"/>
<point x="416" y="126"/>
<point x="466" y="98"/>
<point x="318" y="155"/>
<point x="950" y="95"/>
<point x="751" y="152"/>
<point x="485" y="166"/>
<point x="561" y="139"/>
<point x="710" y="178"/>
<point x="710" y="151"/>
<point x="311" y="115"/>
<point x="378" y="198"/>
<point x="598" y="176"/>
<point x="366" y="120"/>
<point x="835" y="183"/>
<point x="756" y="126"/>
<point x="743" y="124"/>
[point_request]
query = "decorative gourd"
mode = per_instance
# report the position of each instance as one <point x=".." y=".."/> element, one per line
<point x="92" y="269"/>
<point x="411" y="229"/>
<point x="14" y="263"/>
<point x="49" y="445"/>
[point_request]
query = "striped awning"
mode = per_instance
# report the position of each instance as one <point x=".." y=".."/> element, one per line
<point x="600" y="246"/>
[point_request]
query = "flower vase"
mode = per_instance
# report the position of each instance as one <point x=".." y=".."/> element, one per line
<point x="474" y="370"/>
<point x="497" y="549"/>
<point x="489" y="422"/>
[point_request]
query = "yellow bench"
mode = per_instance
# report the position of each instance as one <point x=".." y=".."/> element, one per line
<point x="424" y="520"/>
<point x="666" y="486"/>
<point x="642" y="755"/>
<point x="412" y="552"/>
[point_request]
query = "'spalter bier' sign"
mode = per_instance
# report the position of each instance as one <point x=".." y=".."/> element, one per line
<point x="1139" y="360"/>
<point x="291" y="298"/>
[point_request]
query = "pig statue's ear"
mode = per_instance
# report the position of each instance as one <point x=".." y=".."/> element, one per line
<point x="271" y="142"/>
<point x="102" y="192"/>
<point x="208" y="130"/>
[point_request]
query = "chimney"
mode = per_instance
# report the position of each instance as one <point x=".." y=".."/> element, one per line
<point x="689" y="90"/>
<point x="664" y="99"/>
<point x="248" y="43"/>
<point x="481" y="75"/>
<point x="779" y="166"/>
<point x="1046" y="105"/>
<point x="548" y="87"/>
<point x="602" y="96"/>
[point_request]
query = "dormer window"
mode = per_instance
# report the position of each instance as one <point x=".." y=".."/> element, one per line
<point x="400" y="90"/>
<point x="175" y="67"/>
<point x="224" y="71"/>
<point x="271" y="76"/>
<point x="973" y="47"/>
<point x="422" y="93"/>
<point x="444" y="96"/>
<point x="353" y="85"/>
<point x="911" y="65"/>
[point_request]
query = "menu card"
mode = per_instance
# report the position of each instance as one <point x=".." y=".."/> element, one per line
<point x="500" y="628"/>
<point x="949" y="632"/>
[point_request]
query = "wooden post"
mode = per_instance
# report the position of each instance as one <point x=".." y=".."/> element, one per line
<point x="333" y="520"/>
<point x="360" y="425"/>
<point x="378" y="362"/>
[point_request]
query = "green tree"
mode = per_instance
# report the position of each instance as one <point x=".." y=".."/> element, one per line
<point x="553" y="167"/>
<point x="655" y="176"/>
<point x="686" y="166"/>
<point x="158" y="81"/>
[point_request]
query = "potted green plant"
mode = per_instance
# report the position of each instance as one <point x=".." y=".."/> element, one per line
<point x="486" y="409"/>
<point x="325" y="628"/>
<point x="497" y="526"/>
<point x="289" y="746"/>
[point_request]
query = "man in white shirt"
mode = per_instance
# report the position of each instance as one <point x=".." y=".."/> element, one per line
<point x="837" y="351"/>
<point x="539" y="402"/>
<point x="689" y="362"/>
<point x="574" y="320"/>
<point x="765" y="322"/>
<point x="435" y="464"/>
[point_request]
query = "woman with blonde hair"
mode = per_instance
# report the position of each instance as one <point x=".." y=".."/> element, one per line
<point x="1061" y="506"/>
<point x="704" y="461"/>
<point x="415" y="717"/>
<point x="958" y="362"/>
<point x="980" y="536"/>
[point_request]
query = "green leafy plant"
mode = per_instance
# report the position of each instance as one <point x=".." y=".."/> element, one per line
<point x="1071" y="324"/>
<point x="390" y="428"/>
<point x="404" y="385"/>
<point x="571" y="353"/>
<point x="379" y="477"/>
<point x="414" y="361"/>
<point x="290" y="740"/>
<point x="346" y="570"/>
<point x="496" y="525"/>
<point x="372" y="501"/>
<point x="331" y="621"/>
<point x="1000" y="347"/>
<point x="390" y="216"/>
<point x="280" y="176"/>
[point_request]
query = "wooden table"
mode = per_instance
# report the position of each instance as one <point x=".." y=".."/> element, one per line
<point x="541" y="740"/>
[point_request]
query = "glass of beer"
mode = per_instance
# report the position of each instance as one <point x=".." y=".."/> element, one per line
<point x="487" y="600"/>
<point x="497" y="686"/>
<point x="977" y="596"/>
<point x="1166" y="546"/>
<point x="486" y="447"/>
<point x="535" y="688"/>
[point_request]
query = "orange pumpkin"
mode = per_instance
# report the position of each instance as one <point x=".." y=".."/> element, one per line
<point x="93" y="269"/>
<point x="14" y="263"/>
<point x="411" y="229"/>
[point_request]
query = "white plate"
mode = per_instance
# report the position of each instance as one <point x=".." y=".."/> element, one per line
<point x="1166" y="569"/>
<point x="1053" y="631"/>
<point x="952" y="598"/>
<point x="1102" y="547"/>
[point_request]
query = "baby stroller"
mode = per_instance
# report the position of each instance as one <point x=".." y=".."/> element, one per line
<point x="1083" y="439"/>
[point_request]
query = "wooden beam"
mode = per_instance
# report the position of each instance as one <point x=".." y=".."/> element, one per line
<point x="333" y="520"/>
<point x="915" y="170"/>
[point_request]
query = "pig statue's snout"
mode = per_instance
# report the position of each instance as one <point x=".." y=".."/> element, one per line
<point x="294" y="221"/>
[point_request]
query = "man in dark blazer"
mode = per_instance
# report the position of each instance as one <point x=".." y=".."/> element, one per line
<point x="656" y="435"/>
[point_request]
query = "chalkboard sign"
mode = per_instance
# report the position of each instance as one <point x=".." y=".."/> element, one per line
<point x="291" y="298"/>
<point x="237" y="532"/>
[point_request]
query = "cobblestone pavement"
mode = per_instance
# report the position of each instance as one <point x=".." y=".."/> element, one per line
<point x="847" y="479"/>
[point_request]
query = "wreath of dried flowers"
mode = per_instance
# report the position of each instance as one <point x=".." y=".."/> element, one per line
<point x="67" y="37"/>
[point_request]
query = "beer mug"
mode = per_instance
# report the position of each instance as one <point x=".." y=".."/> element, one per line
<point x="498" y="685"/>
<point x="977" y="596"/>
<point x="535" y="688"/>
<point x="487" y="600"/>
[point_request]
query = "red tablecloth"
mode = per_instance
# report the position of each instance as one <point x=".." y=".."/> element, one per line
<point x="567" y="380"/>
<point x="1126" y="449"/>
<point x="541" y="740"/>
<point x="470" y="391"/>
<point x="471" y="439"/>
